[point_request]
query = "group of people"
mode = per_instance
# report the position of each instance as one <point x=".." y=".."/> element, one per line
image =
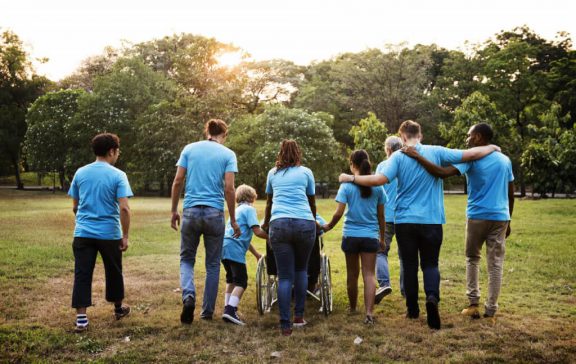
<point x="410" y="206"/>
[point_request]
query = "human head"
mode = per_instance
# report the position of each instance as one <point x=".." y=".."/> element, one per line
<point x="245" y="193"/>
<point x="392" y="144"/>
<point x="410" y="130"/>
<point x="360" y="162"/>
<point x="106" y="145"/>
<point x="215" y="128"/>
<point x="289" y="154"/>
<point x="479" y="134"/>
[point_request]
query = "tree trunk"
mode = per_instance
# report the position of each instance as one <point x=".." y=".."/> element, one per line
<point x="522" y="182"/>
<point x="19" y="184"/>
<point x="63" y="183"/>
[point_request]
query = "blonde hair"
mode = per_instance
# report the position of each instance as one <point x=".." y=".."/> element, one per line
<point x="245" y="193"/>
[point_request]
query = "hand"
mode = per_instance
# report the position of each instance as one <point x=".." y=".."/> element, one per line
<point x="124" y="244"/>
<point x="345" y="178"/>
<point x="496" y="148"/>
<point x="237" y="231"/>
<point x="175" y="222"/>
<point x="326" y="228"/>
<point x="258" y="256"/>
<point x="411" y="152"/>
<point x="382" y="245"/>
<point x="508" y="230"/>
<point x="265" y="227"/>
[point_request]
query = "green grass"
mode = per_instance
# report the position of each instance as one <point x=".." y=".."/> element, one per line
<point x="537" y="319"/>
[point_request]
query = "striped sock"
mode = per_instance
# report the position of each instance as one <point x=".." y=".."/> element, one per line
<point x="81" y="320"/>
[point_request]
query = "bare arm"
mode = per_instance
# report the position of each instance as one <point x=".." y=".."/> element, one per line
<point x="230" y="196"/>
<point x="475" y="153"/>
<point x="254" y="251"/>
<point x="259" y="232"/>
<point x="366" y="180"/>
<point x="74" y="206"/>
<point x="510" y="205"/>
<point x="312" y="203"/>
<point x="267" y="212"/>
<point x="433" y="169"/>
<point x="382" y="226"/>
<point x="177" y="186"/>
<point x="125" y="221"/>
<point x="337" y="216"/>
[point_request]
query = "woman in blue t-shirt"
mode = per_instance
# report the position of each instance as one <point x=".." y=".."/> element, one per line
<point x="290" y="212"/>
<point x="363" y="232"/>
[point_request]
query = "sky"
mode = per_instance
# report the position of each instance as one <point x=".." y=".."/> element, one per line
<point x="68" y="31"/>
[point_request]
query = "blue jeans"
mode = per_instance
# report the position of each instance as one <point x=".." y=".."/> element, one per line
<point x="382" y="272"/>
<point x="420" y="241"/>
<point x="197" y="221"/>
<point x="292" y="241"/>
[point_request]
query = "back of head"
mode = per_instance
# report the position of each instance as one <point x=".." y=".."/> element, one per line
<point x="289" y="155"/>
<point x="410" y="129"/>
<point x="393" y="143"/>
<point x="102" y="143"/>
<point x="485" y="131"/>
<point x="245" y="193"/>
<point x="360" y="159"/>
<point x="215" y="127"/>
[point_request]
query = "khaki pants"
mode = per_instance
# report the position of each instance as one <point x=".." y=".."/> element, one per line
<point x="494" y="234"/>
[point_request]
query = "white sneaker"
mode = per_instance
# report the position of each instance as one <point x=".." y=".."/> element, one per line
<point x="382" y="292"/>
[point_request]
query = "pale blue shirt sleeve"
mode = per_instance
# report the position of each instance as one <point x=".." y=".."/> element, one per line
<point x="269" y="189"/>
<point x="182" y="161"/>
<point x="73" y="191"/>
<point x="123" y="189"/>
<point x="462" y="167"/>
<point x="251" y="217"/>
<point x="449" y="156"/>
<point x="342" y="195"/>
<point x="390" y="169"/>
<point x="311" y="187"/>
<point x="510" y="173"/>
<point x="382" y="198"/>
<point x="232" y="164"/>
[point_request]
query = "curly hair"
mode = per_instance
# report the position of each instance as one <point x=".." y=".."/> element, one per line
<point x="289" y="155"/>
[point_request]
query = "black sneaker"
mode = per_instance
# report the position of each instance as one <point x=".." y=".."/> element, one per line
<point x="205" y="317"/>
<point x="188" y="307"/>
<point x="382" y="292"/>
<point x="122" y="311"/>
<point x="433" y="316"/>
<point x="369" y="320"/>
<point x="231" y="315"/>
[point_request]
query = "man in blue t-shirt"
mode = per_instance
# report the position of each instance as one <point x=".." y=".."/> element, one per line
<point x="419" y="213"/>
<point x="490" y="204"/>
<point x="208" y="168"/>
<point x="100" y="192"/>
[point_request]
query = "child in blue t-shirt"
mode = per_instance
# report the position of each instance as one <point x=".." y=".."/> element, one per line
<point x="234" y="251"/>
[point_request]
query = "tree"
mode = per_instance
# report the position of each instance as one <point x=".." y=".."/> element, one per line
<point x="48" y="139"/>
<point x="370" y="134"/>
<point x="19" y="87"/>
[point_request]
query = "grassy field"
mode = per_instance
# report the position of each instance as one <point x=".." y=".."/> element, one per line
<point x="536" y="322"/>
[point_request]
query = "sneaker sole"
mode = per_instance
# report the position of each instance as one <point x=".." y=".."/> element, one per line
<point x="378" y="298"/>
<point x="432" y="315"/>
<point x="81" y="329"/>
<point x="232" y="319"/>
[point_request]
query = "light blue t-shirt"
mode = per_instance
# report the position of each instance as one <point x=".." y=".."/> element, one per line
<point x="291" y="188"/>
<point x="391" y="189"/>
<point x="97" y="187"/>
<point x="361" y="218"/>
<point x="235" y="248"/>
<point x="206" y="162"/>
<point x="420" y="197"/>
<point x="487" y="180"/>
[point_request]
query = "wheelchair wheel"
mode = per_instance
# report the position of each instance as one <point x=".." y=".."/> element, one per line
<point x="326" y="285"/>
<point x="262" y="289"/>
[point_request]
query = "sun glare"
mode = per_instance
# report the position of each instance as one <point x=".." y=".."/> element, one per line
<point x="231" y="59"/>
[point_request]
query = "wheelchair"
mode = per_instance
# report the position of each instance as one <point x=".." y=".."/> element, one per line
<point x="267" y="280"/>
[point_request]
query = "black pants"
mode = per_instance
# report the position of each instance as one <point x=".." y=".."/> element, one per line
<point x="236" y="273"/>
<point x="420" y="241"/>
<point x="85" y="252"/>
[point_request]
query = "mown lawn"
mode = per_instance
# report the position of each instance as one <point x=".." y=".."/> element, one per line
<point x="537" y="321"/>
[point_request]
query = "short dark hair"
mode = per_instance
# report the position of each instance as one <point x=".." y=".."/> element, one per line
<point x="484" y="130"/>
<point x="102" y="143"/>
<point x="215" y="127"/>
<point x="410" y="128"/>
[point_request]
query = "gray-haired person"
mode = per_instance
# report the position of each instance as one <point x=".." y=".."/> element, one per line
<point x="392" y="144"/>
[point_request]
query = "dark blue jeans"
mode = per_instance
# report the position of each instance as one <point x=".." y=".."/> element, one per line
<point x="292" y="241"/>
<point x="420" y="241"/>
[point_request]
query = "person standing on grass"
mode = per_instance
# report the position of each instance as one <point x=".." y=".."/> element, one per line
<point x="208" y="169"/>
<point x="234" y="252"/>
<point x="490" y="204"/>
<point x="290" y="213"/>
<point x="419" y="213"/>
<point x="363" y="232"/>
<point x="391" y="145"/>
<point x="100" y="195"/>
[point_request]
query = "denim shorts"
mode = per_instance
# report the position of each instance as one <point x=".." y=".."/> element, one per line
<point x="355" y="245"/>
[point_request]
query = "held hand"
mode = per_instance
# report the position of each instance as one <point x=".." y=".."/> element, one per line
<point x="175" y="222"/>
<point x="265" y="227"/>
<point x="124" y="244"/>
<point x="345" y="178"/>
<point x="382" y="245"/>
<point x="410" y="151"/>
<point x="326" y="228"/>
<point x="508" y="230"/>
<point x="237" y="231"/>
<point x="258" y="256"/>
<point x="496" y="148"/>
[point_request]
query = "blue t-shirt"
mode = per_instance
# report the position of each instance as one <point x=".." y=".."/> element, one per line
<point x="235" y="248"/>
<point x="206" y="162"/>
<point x="391" y="189"/>
<point x="291" y="188"/>
<point x="487" y="180"/>
<point x="420" y="197"/>
<point x="361" y="219"/>
<point x="97" y="187"/>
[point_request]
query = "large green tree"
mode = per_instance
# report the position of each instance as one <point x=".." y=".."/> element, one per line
<point x="370" y="134"/>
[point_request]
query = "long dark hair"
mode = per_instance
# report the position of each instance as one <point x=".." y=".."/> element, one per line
<point x="289" y="155"/>
<point x="360" y="159"/>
